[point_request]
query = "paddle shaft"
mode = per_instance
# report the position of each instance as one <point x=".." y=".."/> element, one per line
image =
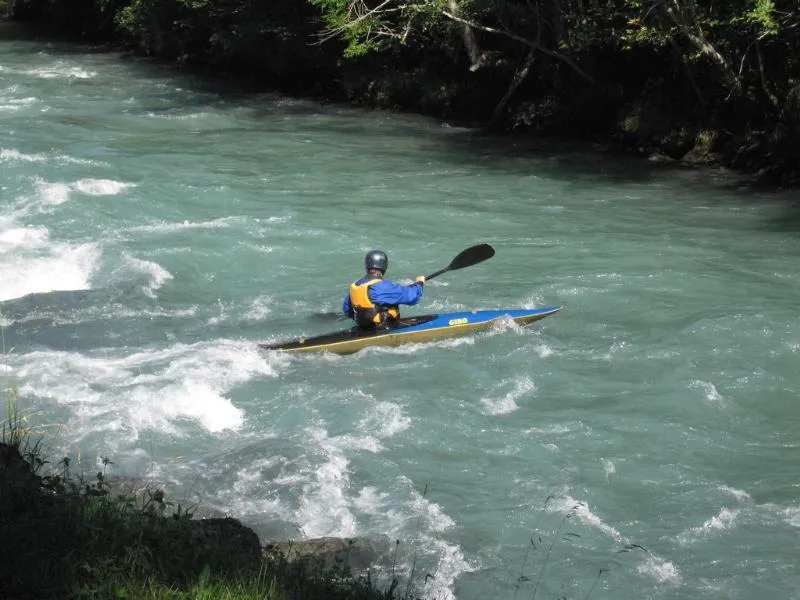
<point x="439" y="272"/>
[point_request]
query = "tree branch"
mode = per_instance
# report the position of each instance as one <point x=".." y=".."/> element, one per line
<point x="358" y="12"/>
<point x="468" y="37"/>
<point x="676" y="14"/>
<point x="533" y="45"/>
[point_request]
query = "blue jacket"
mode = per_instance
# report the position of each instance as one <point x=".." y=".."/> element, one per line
<point x="387" y="293"/>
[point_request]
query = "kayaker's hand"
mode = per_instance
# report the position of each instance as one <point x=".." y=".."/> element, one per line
<point x="421" y="280"/>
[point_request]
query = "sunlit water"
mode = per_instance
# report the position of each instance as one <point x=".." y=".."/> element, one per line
<point x="154" y="228"/>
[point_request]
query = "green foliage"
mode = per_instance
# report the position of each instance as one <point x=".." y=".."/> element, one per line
<point x="357" y="33"/>
<point x="762" y="15"/>
<point x="387" y="25"/>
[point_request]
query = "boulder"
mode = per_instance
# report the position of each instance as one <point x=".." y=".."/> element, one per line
<point x="356" y="554"/>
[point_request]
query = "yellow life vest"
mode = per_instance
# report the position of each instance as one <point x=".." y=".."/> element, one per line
<point x="366" y="312"/>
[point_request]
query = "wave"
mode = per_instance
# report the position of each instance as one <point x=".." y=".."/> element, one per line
<point x="30" y="263"/>
<point x="508" y="403"/>
<point x="119" y="396"/>
<point x="60" y="70"/>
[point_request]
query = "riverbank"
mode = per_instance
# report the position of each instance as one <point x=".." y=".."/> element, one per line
<point x="637" y="100"/>
<point x="67" y="536"/>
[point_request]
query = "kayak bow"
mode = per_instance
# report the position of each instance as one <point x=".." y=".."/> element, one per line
<point x="423" y="328"/>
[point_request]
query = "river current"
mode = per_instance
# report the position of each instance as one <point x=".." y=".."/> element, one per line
<point x="642" y="443"/>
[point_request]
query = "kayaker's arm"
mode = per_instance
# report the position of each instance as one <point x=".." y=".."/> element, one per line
<point x="347" y="308"/>
<point x="389" y="293"/>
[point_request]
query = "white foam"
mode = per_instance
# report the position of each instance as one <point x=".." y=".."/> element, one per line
<point x="323" y="509"/>
<point x="660" y="570"/>
<point x="653" y="566"/>
<point x="722" y="521"/>
<point x="568" y="504"/>
<point x="31" y="264"/>
<point x="101" y="187"/>
<point x="508" y="402"/>
<point x="11" y="155"/>
<point x="52" y="194"/>
<point x="60" y="70"/>
<point x="612" y="350"/>
<point x="575" y="291"/>
<point x="503" y="324"/>
<point x="249" y="484"/>
<point x="416" y="347"/>
<point x="156" y="274"/>
<point x="450" y="565"/>
<point x="385" y="420"/>
<point x="557" y="429"/>
<point x="120" y="395"/>
<point x="71" y="160"/>
<point x="443" y="305"/>
<point x="792" y="515"/>
<point x="165" y="227"/>
<point x="259" y="308"/>
<point x="358" y="443"/>
<point x="533" y="301"/>
<point x="185" y="117"/>
<point x="738" y="494"/>
<point x="23" y="236"/>
<point x="323" y="502"/>
<point x="370" y="500"/>
<point x="450" y="562"/>
<point x="431" y="514"/>
<point x="15" y="104"/>
<point x="711" y="393"/>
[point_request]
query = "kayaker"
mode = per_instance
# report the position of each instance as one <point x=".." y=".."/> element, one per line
<point x="372" y="301"/>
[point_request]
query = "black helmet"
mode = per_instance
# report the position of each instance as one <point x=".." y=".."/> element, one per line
<point x="376" y="260"/>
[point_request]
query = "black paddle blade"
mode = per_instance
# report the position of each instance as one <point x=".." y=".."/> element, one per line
<point x="467" y="258"/>
<point x="472" y="256"/>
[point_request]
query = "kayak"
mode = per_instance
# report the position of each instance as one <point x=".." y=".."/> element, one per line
<point x="424" y="328"/>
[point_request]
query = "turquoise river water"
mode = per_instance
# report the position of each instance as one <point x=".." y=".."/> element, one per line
<point x="155" y="227"/>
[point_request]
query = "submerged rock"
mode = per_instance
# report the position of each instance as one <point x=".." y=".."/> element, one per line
<point x="357" y="554"/>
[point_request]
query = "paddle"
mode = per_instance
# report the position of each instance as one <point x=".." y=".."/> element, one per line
<point x="466" y="258"/>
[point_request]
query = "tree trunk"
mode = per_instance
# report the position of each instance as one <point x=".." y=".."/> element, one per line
<point x="519" y="77"/>
<point x="468" y="37"/>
